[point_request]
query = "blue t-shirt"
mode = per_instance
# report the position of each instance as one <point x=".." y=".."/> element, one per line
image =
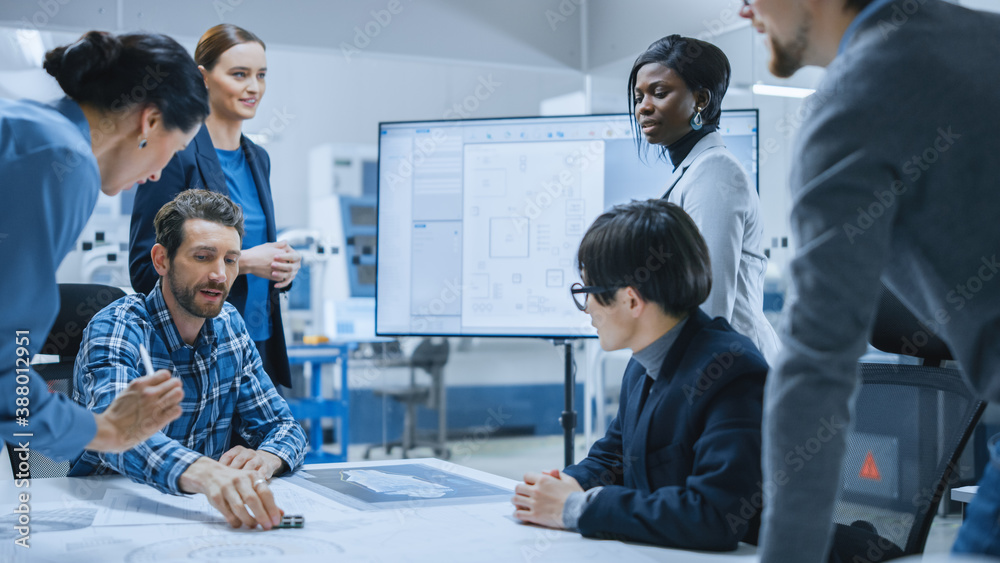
<point x="243" y="191"/>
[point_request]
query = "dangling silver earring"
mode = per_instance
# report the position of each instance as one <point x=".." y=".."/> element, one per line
<point x="696" y="121"/>
<point x="142" y="143"/>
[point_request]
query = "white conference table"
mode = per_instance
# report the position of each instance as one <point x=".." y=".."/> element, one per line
<point x="83" y="520"/>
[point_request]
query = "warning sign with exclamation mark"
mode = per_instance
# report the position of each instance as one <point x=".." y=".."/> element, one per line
<point x="869" y="470"/>
<point x="871" y="465"/>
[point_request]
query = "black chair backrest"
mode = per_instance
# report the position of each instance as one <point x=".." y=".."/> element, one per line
<point x="430" y="356"/>
<point x="78" y="303"/>
<point x="910" y="425"/>
<point x="897" y="331"/>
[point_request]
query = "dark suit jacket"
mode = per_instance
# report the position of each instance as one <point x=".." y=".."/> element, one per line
<point x="198" y="166"/>
<point x="685" y="471"/>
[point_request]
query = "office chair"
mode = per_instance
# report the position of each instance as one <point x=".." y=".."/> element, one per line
<point x="431" y="358"/>
<point x="78" y="303"/>
<point x="911" y="422"/>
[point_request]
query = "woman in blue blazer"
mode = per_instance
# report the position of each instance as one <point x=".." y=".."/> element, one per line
<point x="55" y="160"/>
<point x="221" y="159"/>
<point x="677" y="86"/>
<point x="680" y="463"/>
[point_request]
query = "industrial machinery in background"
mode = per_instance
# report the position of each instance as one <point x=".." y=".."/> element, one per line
<point x="101" y="253"/>
<point x="334" y="293"/>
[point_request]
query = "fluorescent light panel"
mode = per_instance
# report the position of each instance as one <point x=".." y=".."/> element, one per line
<point x="783" y="91"/>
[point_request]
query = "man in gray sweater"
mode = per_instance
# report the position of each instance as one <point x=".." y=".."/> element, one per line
<point x="895" y="176"/>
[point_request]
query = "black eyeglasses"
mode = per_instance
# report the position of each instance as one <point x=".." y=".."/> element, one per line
<point x="585" y="290"/>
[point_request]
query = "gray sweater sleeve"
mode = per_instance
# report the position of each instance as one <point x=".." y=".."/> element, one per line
<point x="575" y="505"/>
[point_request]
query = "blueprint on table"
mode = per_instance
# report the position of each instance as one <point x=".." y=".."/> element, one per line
<point x="398" y="486"/>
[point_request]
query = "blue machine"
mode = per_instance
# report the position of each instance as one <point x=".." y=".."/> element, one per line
<point x="360" y="222"/>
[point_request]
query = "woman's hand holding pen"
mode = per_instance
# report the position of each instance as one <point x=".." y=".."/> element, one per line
<point x="147" y="405"/>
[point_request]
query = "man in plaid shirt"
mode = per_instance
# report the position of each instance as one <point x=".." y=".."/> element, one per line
<point x="190" y="330"/>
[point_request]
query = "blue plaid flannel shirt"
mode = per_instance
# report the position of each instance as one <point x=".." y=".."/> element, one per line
<point x="222" y="375"/>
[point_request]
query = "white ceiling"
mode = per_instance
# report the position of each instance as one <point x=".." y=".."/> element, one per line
<point x="532" y="33"/>
<point x="521" y="33"/>
<point x="619" y="29"/>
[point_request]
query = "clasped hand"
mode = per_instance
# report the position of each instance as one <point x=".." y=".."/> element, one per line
<point x="541" y="497"/>
<point x="275" y="261"/>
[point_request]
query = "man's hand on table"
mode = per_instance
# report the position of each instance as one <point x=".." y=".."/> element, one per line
<point x="265" y="463"/>
<point x="540" y="499"/>
<point x="228" y="489"/>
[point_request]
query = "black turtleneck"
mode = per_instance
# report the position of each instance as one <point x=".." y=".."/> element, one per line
<point x="679" y="150"/>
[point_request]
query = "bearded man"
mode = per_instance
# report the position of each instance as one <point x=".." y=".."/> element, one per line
<point x="190" y="330"/>
<point x="893" y="179"/>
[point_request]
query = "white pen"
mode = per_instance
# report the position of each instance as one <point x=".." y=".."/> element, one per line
<point x="145" y="359"/>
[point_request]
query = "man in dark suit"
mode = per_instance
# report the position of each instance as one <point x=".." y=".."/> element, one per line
<point x="680" y="463"/>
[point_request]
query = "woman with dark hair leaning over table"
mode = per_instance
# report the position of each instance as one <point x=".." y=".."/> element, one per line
<point x="132" y="101"/>
<point x="676" y="88"/>
<point x="221" y="159"/>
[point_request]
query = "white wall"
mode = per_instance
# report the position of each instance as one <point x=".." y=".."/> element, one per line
<point x="316" y="97"/>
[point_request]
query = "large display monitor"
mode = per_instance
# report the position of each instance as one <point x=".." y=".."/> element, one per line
<point x="479" y="220"/>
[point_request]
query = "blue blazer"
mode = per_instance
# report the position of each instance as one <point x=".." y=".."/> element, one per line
<point x="685" y="471"/>
<point x="197" y="167"/>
